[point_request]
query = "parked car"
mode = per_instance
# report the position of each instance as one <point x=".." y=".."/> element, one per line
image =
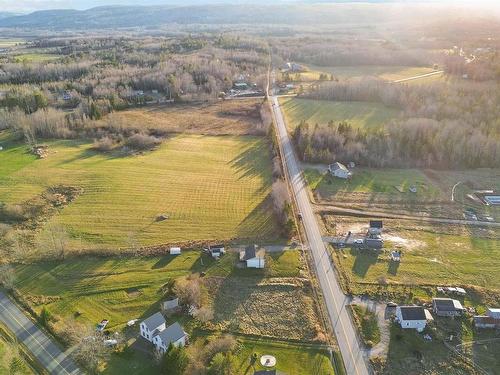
<point x="392" y="304"/>
<point x="110" y="342"/>
<point x="359" y="241"/>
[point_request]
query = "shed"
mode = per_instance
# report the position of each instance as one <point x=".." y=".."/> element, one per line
<point x="447" y="307"/>
<point x="175" y="250"/>
<point x="339" y="170"/>
<point x="253" y="257"/>
<point x="171" y="304"/>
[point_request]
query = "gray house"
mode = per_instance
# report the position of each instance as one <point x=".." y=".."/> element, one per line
<point x="447" y="307"/>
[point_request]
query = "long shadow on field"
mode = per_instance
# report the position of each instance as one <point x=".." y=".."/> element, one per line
<point x="89" y="153"/>
<point x="260" y="223"/>
<point x="253" y="162"/>
<point x="364" y="259"/>
<point x="163" y="262"/>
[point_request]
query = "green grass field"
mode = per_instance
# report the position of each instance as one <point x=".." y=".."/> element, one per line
<point x="290" y="359"/>
<point x="211" y="188"/>
<point x="36" y="57"/>
<point x="358" y="114"/>
<point x="6" y="42"/>
<point x="393" y="182"/>
<point x="387" y="72"/>
<point x="432" y="254"/>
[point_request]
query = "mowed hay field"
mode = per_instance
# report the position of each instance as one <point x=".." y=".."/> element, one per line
<point x="358" y="114"/>
<point x="387" y="72"/>
<point x="433" y="254"/>
<point x="211" y="188"/>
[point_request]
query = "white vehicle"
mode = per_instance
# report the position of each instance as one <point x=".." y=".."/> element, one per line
<point x="359" y="241"/>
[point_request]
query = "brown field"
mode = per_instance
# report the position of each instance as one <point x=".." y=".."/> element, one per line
<point x="229" y="117"/>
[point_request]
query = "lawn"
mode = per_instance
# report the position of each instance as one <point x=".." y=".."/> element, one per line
<point x="211" y="188"/>
<point x="367" y="324"/>
<point x="290" y="359"/>
<point x="390" y="182"/>
<point x="358" y="114"/>
<point x="433" y="254"/>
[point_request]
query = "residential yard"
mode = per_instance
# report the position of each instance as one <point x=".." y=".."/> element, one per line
<point x="291" y="359"/>
<point x="388" y="190"/>
<point x="224" y="197"/>
<point x="358" y="114"/>
<point x="432" y="254"/>
<point x="273" y="303"/>
<point x="367" y="324"/>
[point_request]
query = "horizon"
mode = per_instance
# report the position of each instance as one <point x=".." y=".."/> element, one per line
<point x="29" y="6"/>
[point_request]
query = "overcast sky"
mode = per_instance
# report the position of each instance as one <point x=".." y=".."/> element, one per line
<point x="32" y="5"/>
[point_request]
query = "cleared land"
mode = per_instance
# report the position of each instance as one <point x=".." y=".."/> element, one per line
<point x="358" y="114"/>
<point x="388" y="190"/>
<point x="235" y="117"/>
<point x="36" y="57"/>
<point x="211" y="188"/>
<point x="5" y="43"/>
<point x="388" y="72"/>
<point x="273" y="302"/>
<point x="432" y="254"/>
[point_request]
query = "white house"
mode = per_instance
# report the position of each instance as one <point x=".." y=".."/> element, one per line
<point x="253" y="257"/>
<point x="174" y="335"/>
<point x="175" y="250"/>
<point x="152" y="326"/>
<point x="216" y="251"/>
<point x="412" y="317"/>
<point x="339" y="170"/>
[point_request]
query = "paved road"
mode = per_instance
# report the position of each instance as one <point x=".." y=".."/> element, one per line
<point x="43" y="348"/>
<point x="351" y="349"/>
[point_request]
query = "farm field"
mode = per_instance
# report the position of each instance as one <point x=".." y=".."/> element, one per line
<point x="432" y="254"/>
<point x="388" y="72"/>
<point x="235" y="117"/>
<point x="358" y="114"/>
<point x="36" y="57"/>
<point x="211" y="188"/>
<point x="6" y="42"/>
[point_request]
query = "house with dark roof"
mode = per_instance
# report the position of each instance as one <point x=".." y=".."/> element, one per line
<point x="339" y="170"/>
<point x="152" y="326"/>
<point x="447" y="307"/>
<point x="253" y="257"/>
<point x="173" y="334"/>
<point x="216" y="251"/>
<point x="490" y="320"/>
<point x="412" y="317"/>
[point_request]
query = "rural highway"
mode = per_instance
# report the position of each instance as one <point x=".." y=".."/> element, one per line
<point x="41" y="347"/>
<point x="336" y="302"/>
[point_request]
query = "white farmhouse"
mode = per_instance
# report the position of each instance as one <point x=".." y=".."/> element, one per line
<point x="253" y="257"/>
<point x="412" y="317"/>
<point x="339" y="170"/>
<point x="174" y="335"/>
<point x="152" y="326"/>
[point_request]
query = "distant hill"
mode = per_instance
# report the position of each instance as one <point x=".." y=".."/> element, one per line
<point x="243" y="13"/>
<point x="7" y="15"/>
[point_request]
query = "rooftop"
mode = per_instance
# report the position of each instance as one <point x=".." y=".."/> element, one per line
<point x="154" y="321"/>
<point x="172" y="333"/>
<point x="413" y="312"/>
<point x="447" y="304"/>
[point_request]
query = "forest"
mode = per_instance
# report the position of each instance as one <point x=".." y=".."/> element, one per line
<point x="444" y="125"/>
